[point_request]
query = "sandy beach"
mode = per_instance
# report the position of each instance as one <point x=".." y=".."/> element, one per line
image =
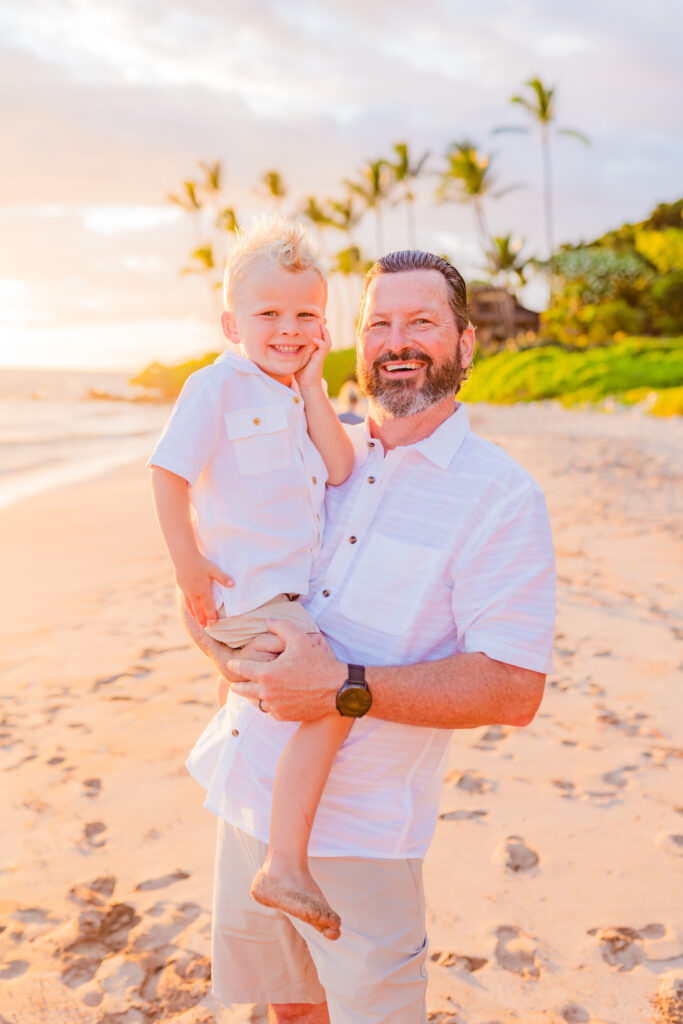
<point x="555" y="877"/>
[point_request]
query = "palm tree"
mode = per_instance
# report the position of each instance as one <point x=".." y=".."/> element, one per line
<point x="350" y="261"/>
<point x="405" y="173"/>
<point x="540" y="106"/>
<point x="345" y="215"/>
<point x="205" y="201"/>
<point x="505" y="259"/>
<point x="316" y="212"/>
<point x="468" y="179"/>
<point x="374" y="188"/>
<point x="273" y="187"/>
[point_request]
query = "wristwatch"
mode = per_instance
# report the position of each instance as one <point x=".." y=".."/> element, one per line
<point x="354" y="698"/>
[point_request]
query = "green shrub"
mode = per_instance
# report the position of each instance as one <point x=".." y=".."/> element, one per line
<point x="571" y="377"/>
<point x="168" y="381"/>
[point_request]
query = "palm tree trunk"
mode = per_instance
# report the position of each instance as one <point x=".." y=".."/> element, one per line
<point x="410" y="219"/>
<point x="484" y="233"/>
<point x="547" y="188"/>
<point x="378" y="232"/>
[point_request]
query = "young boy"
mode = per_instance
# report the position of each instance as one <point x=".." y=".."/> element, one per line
<point x="239" y="481"/>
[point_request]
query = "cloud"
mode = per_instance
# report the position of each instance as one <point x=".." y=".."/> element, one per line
<point x="110" y="103"/>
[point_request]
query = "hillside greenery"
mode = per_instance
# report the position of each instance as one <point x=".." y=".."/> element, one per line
<point x="635" y="370"/>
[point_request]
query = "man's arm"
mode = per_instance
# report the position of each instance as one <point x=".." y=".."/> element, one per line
<point x="459" y="692"/>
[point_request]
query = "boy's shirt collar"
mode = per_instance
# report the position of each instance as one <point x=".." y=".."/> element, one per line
<point x="243" y="364"/>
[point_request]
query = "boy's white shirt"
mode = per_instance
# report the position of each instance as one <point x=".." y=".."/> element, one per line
<point x="257" y="480"/>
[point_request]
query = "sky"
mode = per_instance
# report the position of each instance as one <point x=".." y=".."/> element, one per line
<point x="106" y="106"/>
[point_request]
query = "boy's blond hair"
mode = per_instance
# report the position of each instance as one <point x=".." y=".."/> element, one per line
<point x="274" y="241"/>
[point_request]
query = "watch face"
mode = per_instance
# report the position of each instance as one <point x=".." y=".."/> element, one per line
<point x="354" y="701"/>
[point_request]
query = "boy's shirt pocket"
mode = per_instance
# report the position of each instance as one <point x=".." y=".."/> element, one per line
<point x="260" y="439"/>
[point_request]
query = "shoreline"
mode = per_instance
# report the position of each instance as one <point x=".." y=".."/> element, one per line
<point x="662" y="435"/>
<point x="552" y="876"/>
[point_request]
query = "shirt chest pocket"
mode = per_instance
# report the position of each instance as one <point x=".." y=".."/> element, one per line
<point x="260" y="439"/>
<point x="389" y="584"/>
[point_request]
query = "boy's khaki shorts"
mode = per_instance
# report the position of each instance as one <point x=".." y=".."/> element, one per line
<point x="373" y="974"/>
<point x="237" y="630"/>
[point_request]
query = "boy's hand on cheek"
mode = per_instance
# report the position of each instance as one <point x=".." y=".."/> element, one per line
<point x="311" y="373"/>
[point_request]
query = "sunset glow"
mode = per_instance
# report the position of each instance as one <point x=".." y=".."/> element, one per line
<point x="92" y="251"/>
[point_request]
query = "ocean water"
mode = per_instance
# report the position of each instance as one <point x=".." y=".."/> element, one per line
<point x="52" y="432"/>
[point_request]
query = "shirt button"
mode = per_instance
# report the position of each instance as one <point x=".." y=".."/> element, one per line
<point x="371" y="444"/>
<point x="296" y="399"/>
<point x="371" y="479"/>
<point x="317" y="516"/>
<point x="326" y="593"/>
<point x="352" y="540"/>
<point x="314" y="479"/>
<point x="235" y="732"/>
<point x="256" y="420"/>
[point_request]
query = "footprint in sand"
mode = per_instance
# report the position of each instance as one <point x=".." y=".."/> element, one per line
<point x="572" y="1013"/>
<point x="516" y="952"/>
<point x="31" y="915"/>
<point x="669" y="999"/>
<point x="83" y="944"/>
<point x="167" y="921"/>
<point x="619" y="947"/>
<point x="96" y="892"/>
<point x="514" y="854"/>
<point x="616" y="777"/>
<point x="471" y="782"/>
<point x="182" y="982"/>
<point x="625" y="948"/>
<point x="92" y="787"/>
<point x="567" y="788"/>
<point x="463" y="963"/>
<point x="13" y="969"/>
<point x="494" y="734"/>
<point x="475" y="815"/>
<point x="91" y="830"/>
<point x="672" y="842"/>
<point x="163" y="881"/>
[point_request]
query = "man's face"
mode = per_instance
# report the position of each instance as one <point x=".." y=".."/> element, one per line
<point x="410" y="355"/>
<point x="276" y="317"/>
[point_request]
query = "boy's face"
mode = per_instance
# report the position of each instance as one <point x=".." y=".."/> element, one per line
<point x="277" y="316"/>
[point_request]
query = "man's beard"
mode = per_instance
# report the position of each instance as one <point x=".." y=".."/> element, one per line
<point x="407" y="397"/>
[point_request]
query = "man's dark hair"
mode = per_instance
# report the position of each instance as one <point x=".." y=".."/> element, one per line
<point x="415" y="259"/>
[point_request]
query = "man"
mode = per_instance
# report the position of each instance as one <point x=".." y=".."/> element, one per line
<point x="435" y="590"/>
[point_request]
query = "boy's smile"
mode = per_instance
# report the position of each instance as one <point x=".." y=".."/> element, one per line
<point x="276" y="318"/>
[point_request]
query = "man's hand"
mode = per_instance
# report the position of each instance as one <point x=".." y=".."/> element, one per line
<point x="300" y="684"/>
<point x="194" y="577"/>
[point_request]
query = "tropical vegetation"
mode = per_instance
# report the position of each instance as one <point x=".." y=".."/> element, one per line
<point x="617" y="293"/>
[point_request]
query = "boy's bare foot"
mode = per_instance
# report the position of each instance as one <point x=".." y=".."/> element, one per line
<point x="301" y="898"/>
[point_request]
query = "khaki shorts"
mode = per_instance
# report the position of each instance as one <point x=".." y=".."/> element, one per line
<point x="237" y="630"/>
<point x="374" y="973"/>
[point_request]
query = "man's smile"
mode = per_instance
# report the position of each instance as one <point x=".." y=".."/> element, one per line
<point x="401" y="369"/>
<point x="405" y="366"/>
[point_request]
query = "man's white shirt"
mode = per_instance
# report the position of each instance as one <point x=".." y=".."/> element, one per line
<point x="258" y="482"/>
<point x="433" y="549"/>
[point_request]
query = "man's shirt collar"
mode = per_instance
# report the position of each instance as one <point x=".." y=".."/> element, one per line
<point x="440" y="447"/>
